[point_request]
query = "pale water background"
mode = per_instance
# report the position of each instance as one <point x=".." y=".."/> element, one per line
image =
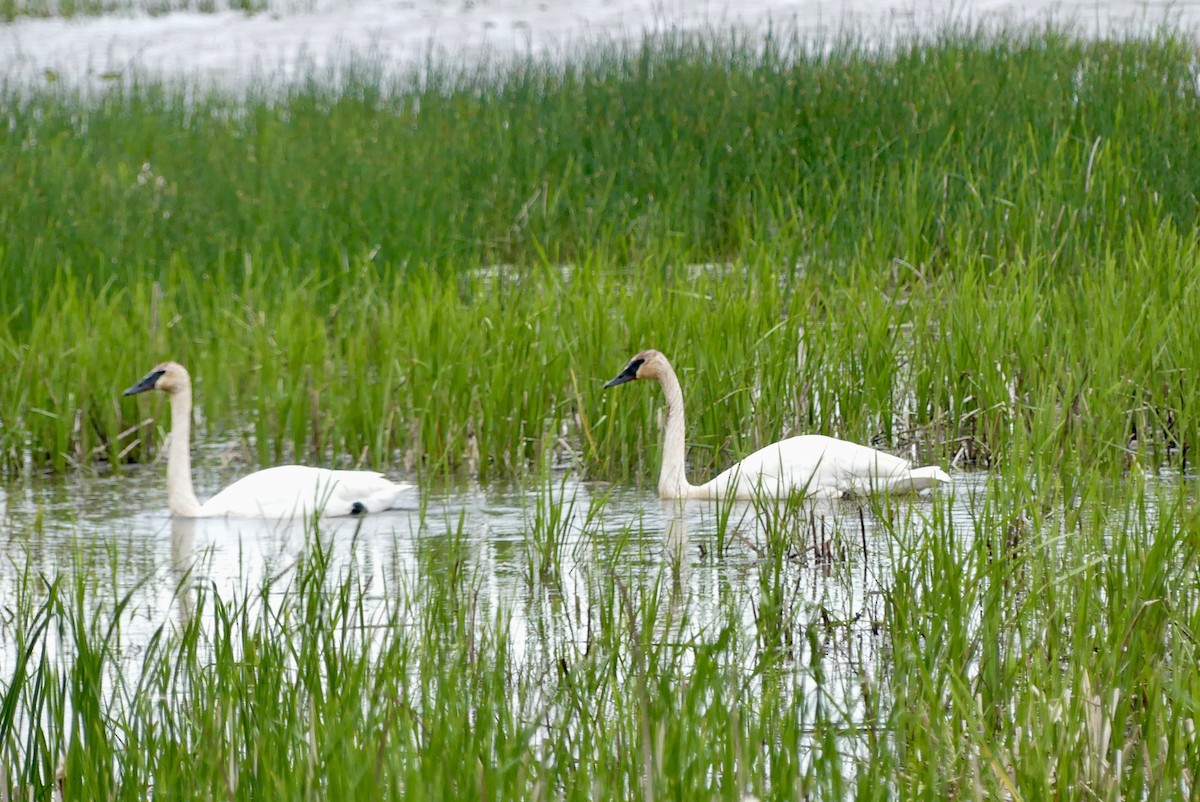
<point x="292" y="37"/>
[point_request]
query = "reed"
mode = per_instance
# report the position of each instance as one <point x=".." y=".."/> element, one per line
<point x="70" y="9"/>
<point x="930" y="248"/>
<point x="1035" y="649"/>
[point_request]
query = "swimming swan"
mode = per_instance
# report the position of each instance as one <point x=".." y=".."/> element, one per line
<point x="813" y="465"/>
<point x="282" y="492"/>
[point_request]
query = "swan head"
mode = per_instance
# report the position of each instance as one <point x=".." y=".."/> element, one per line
<point x="169" y="377"/>
<point x="649" y="364"/>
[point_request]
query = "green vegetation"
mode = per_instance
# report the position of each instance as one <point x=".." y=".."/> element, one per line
<point x="984" y="246"/>
<point x="1050" y="656"/>
<point x="12" y="9"/>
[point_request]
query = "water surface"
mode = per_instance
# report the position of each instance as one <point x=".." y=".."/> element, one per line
<point x="535" y="552"/>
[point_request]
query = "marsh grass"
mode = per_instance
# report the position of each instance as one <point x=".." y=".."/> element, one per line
<point x="1040" y="647"/>
<point x="68" y="9"/>
<point x="1085" y="371"/>
<point x="976" y="249"/>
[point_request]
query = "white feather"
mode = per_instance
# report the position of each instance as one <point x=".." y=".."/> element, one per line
<point x="282" y="492"/>
<point x="297" y="490"/>
<point x="809" y="465"/>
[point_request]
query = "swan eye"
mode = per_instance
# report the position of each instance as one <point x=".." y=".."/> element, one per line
<point x="147" y="383"/>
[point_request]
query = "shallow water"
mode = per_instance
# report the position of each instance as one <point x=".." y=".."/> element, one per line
<point x="116" y="529"/>
<point x="229" y="48"/>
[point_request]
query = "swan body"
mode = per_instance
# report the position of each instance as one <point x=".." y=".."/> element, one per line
<point x="282" y="492"/>
<point x="298" y="490"/>
<point x="808" y="465"/>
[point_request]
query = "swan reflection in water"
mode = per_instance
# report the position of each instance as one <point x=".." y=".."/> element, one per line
<point x="183" y="557"/>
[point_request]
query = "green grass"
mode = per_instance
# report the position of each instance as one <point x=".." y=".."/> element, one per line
<point x="983" y="245"/>
<point x="441" y="372"/>
<point x="69" y="9"/>
<point x="1038" y="654"/>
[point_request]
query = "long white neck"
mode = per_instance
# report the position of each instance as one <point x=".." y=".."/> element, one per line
<point x="672" y="481"/>
<point x="181" y="498"/>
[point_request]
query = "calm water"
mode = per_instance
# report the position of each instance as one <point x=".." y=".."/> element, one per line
<point x="116" y="528"/>
<point x="228" y="49"/>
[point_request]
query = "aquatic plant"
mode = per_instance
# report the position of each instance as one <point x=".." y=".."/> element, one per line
<point x="929" y="249"/>
<point x="1037" y="648"/>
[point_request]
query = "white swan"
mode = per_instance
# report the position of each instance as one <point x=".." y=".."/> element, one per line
<point x="812" y="465"/>
<point x="282" y="492"/>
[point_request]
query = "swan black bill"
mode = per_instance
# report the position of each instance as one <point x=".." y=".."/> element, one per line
<point x="627" y="375"/>
<point x="147" y="383"/>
